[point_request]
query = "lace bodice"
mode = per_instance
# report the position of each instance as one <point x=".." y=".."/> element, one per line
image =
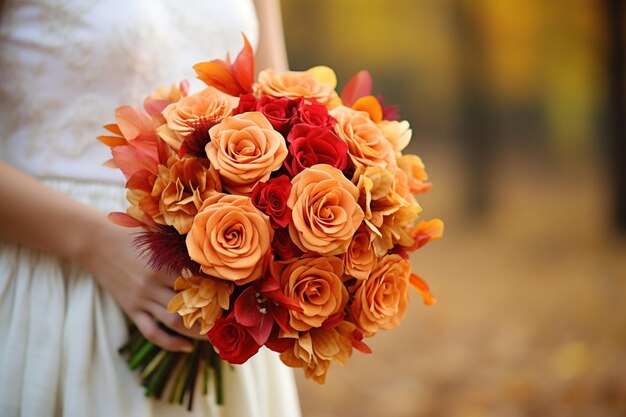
<point x="67" y="64"/>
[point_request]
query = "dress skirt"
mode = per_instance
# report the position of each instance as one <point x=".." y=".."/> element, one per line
<point x="60" y="334"/>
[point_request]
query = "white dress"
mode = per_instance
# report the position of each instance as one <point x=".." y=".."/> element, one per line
<point x="65" y="65"/>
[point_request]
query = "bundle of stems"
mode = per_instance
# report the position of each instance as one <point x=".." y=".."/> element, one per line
<point x="173" y="376"/>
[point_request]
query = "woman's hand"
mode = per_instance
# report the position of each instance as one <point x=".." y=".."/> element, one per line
<point x="39" y="217"/>
<point x="143" y="294"/>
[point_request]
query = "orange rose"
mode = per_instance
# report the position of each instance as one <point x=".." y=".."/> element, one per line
<point x="245" y="149"/>
<point x="381" y="301"/>
<point x="367" y="146"/>
<point x="325" y="212"/>
<point x="179" y="191"/>
<point x="360" y="258"/>
<point x="318" y="83"/>
<point x="316" y="349"/>
<point x="192" y="111"/>
<point x="200" y="300"/>
<point x="229" y="238"/>
<point x="317" y="285"/>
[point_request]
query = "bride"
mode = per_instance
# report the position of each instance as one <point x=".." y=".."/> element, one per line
<point x="68" y="277"/>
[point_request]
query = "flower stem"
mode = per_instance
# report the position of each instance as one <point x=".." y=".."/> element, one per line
<point x="145" y="351"/>
<point x="173" y="374"/>
<point x="216" y="364"/>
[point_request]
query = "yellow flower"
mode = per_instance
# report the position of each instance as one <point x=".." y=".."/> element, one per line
<point x="397" y="133"/>
<point x="180" y="189"/>
<point x="316" y="349"/>
<point x="200" y="300"/>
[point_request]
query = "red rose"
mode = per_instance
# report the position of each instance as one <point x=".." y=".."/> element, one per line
<point x="279" y="111"/>
<point x="232" y="341"/>
<point x="311" y="145"/>
<point x="271" y="198"/>
<point x="312" y="112"/>
<point x="247" y="102"/>
<point x="283" y="246"/>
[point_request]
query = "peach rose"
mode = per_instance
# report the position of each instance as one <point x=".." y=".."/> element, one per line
<point x="245" y="149"/>
<point x="229" y="238"/>
<point x="179" y="191"/>
<point x="192" y="111"/>
<point x="325" y="210"/>
<point x="316" y="349"/>
<point x="367" y="146"/>
<point x="381" y="301"/>
<point x="200" y="300"/>
<point x="317" y="285"/>
<point x="360" y="258"/>
<point x="318" y="83"/>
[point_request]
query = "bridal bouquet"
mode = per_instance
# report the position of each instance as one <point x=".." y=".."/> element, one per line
<point x="287" y="211"/>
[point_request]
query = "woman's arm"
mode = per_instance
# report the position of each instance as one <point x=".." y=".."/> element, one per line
<point x="34" y="215"/>
<point x="271" y="52"/>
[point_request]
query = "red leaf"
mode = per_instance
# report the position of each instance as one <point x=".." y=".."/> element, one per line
<point x="357" y="342"/>
<point x="140" y="181"/>
<point x="276" y="295"/>
<point x="246" y="308"/>
<point x="360" y="85"/>
<point x="243" y="67"/>
<point x="281" y="316"/>
<point x="261" y="331"/>
<point x="279" y="344"/>
<point x="334" y="320"/>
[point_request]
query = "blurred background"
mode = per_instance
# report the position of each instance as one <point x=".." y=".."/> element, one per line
<point x="517" y="109"/>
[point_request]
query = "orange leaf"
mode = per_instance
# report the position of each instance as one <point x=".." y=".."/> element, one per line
<point x="217" y="74"/>
<point x="370" y="105"/>
<point x="233" y="79"/>
<point x="113" y="128"/>
<point x="422" y="287"/>
<point x="112" y="140"/>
